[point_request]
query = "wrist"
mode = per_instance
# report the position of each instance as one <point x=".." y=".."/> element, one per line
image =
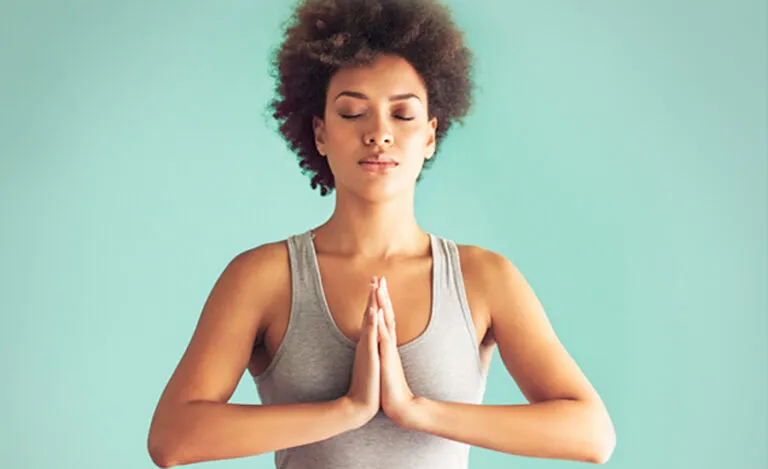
<point x="412" y="415"/>
<point x="353" y="413"/>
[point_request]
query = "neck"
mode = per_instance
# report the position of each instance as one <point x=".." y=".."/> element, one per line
<point x="372" y="229"/>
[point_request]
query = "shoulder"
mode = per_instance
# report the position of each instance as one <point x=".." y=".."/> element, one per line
<point x="261" y="261"/>
<point x="269" y="252"/>
<point x="484" y="263"/>
<point x="493" y="274"/>
<point x="261" y="273"/>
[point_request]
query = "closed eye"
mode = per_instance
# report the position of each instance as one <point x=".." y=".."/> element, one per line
<point x="358" y="115"/>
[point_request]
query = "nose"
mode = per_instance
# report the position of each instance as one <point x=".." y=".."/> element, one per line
<point x="378" y="134"/>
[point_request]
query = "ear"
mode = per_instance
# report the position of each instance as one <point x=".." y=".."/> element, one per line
<point x="318" y="126"/>
<point x="431" y="140"/>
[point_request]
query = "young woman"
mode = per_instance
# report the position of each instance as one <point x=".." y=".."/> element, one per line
<point x="369" y="339"/>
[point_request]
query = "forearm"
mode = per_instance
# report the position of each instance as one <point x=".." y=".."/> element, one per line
<point x="207" y="431"/>
<point x="556" y="429"/>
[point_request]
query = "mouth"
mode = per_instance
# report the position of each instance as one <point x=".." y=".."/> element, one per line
<point x="379" y="162"/>
<point x="377" y="166"/>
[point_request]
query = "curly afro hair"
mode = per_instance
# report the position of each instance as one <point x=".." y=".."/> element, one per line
<point x="323" y="36"/>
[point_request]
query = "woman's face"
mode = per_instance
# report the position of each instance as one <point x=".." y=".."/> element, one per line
<point x="375" y="132"/>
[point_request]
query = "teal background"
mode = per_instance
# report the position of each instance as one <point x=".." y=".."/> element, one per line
<point x="617" y="153"/>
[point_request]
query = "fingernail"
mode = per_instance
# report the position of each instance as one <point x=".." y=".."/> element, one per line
<point x="384" y="283"/>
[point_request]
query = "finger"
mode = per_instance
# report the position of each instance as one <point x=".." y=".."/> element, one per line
<point x="381" y="302"/>
<point x="373" y="330"/>
<point x="389" y="321"/>
<point x="365" y="328"/>
<point x="386" y="302"/>
<point x="371" y="293"/>
<point x="383" y="332"/>
<point x="371" y="304"/>
<point x="370" y="331"/>
<point x="374" y="294"/>
<point x="383" y="297"/>
<point x="370" y="320"/>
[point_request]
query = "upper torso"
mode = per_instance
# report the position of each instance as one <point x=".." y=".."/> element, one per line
<point x="305" y="349"/>
<point x="346" y="293"/>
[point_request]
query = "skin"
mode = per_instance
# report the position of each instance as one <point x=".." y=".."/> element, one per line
<point x="375" y="265"/>
<point x="374" y="213"/>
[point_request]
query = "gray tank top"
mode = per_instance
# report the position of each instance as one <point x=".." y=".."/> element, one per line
<point x="314" y="364"/>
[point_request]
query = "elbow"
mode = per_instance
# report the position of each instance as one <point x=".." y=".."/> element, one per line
<point x="605" y="451"/>
<point x="163" y="444"/>
<point x="604" y="441"/>
<point x="159" y="452"/>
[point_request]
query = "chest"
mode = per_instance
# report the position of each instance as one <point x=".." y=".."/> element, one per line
<point x="346" y="290"/>
<point x="343" y="293"/>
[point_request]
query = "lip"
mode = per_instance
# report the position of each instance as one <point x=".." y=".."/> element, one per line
<point x="377" y="166"/>
<point x="380" y="158"/>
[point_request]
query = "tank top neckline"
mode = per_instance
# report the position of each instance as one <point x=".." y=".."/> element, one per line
<point x="434" y="301"/>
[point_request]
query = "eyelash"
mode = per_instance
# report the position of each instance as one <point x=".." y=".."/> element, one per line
<point x="358" y="115"/>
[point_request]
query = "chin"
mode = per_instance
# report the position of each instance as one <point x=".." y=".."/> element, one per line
<point x="379" y="191"/>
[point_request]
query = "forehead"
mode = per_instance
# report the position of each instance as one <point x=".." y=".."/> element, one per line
<point x="388" y="75"/>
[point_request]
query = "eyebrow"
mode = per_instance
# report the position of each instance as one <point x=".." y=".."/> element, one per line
<point x="397" y="97"/>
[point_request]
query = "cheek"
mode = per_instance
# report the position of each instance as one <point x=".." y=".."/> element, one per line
<point x="341" y="137"/>
<point x="414" y="142"/>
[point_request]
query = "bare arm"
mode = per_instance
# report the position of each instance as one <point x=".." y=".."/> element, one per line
<point x="193" y="421"/>
<point x="565" y="419"/>
<point x="567" y="429"/>
<point x="210" y="430"/>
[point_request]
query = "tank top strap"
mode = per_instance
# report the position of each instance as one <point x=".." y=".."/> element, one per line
<point x="454" y="288"/>
<point x="310" y="307"/>
<point x="299" y="251"/>
<point x="307" y="296"/>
